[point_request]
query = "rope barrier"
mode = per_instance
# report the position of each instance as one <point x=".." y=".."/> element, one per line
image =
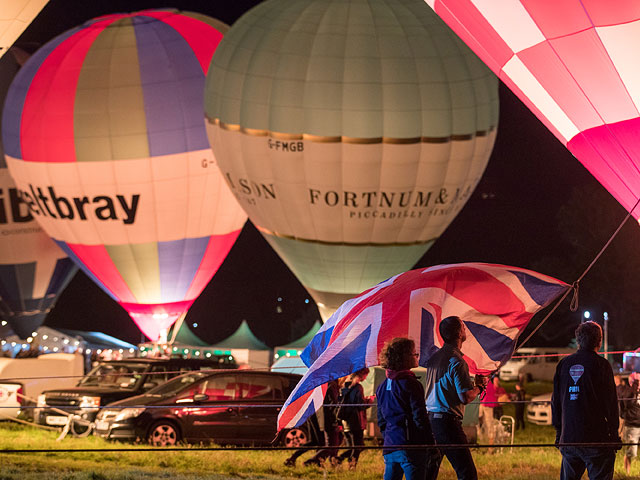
<point x="447" y="446"/>
<point x="59" y="408"/>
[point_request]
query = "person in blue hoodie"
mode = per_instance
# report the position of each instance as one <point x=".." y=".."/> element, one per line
<point x="402" y="416"/>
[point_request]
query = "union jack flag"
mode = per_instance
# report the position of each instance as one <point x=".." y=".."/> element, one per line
<point x="495" y="302"/>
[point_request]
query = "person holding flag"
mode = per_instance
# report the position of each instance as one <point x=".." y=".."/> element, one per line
<point x="449" y="389"/>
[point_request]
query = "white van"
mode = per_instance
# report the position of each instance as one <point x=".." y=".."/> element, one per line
<point x="534" y="363"/>
<point x="23" y="379"/>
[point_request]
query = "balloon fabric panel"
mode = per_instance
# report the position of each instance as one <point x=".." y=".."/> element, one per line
<point x="47" y="118"/>
<point x="109" y="118"/>
<point x="17" y="283"/>
<point x="571" y="64"/>
<point x="172" y="97"/>
<point x="15" y="103"/>
<point x="95" y="262"/>
<point x="202" y="33"/>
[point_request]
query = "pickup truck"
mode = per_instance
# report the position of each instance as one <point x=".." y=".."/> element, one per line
<point x="115" y="380"/>
<point x="22" y="380"/>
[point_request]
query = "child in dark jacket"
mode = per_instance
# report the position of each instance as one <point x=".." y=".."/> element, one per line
<point x="402" y="415"/>
<point x="352" y="413"/>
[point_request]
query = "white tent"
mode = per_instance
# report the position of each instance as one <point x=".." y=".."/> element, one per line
<point x="246" y="348"/>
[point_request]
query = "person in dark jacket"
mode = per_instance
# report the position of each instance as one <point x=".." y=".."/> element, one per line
<point x="328" y="424"/>
<point x="352" y="413"/>
<point x="631" y="416"/>
<point x="449" y="389"/>
<point x="623" y="391"/>
<point x="402" y="416"/>
<point x="519" y="397"/>
<point x="584" y="408"/>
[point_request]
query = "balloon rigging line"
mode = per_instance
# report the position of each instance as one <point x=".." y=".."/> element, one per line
<point x="266" y="369"/>
<point x="575" y="286"/>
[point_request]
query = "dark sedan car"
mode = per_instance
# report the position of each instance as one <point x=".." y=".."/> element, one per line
<point x="225" y="407"/>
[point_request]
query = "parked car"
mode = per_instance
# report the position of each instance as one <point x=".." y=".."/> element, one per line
<point x="198" y="407"/>
<point x="539" y="410"/>
<point x="527" y="363"/>
<point x="115" y="380"/>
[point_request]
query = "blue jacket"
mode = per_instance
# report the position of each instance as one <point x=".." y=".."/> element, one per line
<point x="402" y="414"/>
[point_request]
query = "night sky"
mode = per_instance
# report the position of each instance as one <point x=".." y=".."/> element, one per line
<point x="536" y="207"/>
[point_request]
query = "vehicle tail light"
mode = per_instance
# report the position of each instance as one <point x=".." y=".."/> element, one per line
<point x="20" y="396"/>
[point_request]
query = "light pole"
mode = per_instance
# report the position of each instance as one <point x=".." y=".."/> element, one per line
<point x="606" y="334"/>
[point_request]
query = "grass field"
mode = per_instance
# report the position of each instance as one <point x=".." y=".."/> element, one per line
<point x="522" y="463"/>
<point x="518" y="464"/>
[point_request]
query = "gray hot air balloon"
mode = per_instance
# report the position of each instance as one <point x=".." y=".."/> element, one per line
<point x="352" y="132"/>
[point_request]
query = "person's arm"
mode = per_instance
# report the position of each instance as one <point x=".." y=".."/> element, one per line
<point x="418" y="407"/>
<point x="466" y="389"/>
<point x="470" y="395"/>
<point x="382" y="423"/>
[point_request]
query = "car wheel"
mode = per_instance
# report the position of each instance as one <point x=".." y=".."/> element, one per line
<point x="164" y="434"/>
<point x="296" y="437"/>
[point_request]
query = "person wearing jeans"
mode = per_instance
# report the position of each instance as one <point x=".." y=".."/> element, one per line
<point x="402" y="416"/>
<point x="449" y="389"/>
<point x="584" y="409"/>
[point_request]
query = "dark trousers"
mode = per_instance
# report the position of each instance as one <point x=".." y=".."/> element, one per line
<point x="354" y="438"/>
<point x="597" y="461"/>
<point x="447" y="429"/>
<point x="519" y="416"/>
<point x="332" y="438"/>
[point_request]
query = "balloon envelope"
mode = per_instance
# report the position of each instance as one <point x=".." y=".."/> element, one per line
<point x="33" y="269"/>
<point x="104" y="137"/>
<point x="351" y="132"/>
<point x="572" y="64"/>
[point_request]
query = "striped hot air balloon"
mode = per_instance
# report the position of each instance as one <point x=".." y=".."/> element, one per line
<point x="33" y="269"/>
<point x="104" y="137"/>
<point x="352" y="132"/>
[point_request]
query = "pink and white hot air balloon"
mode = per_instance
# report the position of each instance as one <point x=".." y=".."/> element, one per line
<point x="574" y="64"/>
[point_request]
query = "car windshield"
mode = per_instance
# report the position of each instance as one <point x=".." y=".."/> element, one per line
<point x="177" y="384"/>
<point x="120" y="375"/>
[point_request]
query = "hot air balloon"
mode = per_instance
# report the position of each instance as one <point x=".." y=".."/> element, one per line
<point x="15" y="17"/>
<point x="33" y="269"/>
<point x="351" y="132"/>
<point x="572" y="64"/>
<point x="104" y="137"/>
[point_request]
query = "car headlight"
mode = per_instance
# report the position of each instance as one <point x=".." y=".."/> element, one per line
<point x="126" y="413"/>
<point x="103" y="413"/>
<point x="89" y="403"/>
<point x="42" y="401"/>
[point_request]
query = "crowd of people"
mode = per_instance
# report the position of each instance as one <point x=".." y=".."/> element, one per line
<point x="420" y="426"/>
